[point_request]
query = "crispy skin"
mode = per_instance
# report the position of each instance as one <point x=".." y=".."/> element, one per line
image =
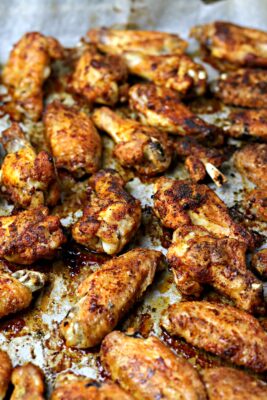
<point x="98" y="77"/>
<point x="228" y="383"/>
<point x="108" y="294"/>
<point x="110" y="218"/>
<point x="256" y="203"/>
<point x="25" y="175"/>
<point x="251" y="161"/>
<point x="75" y="142"/>
<point x="28" y="381"/>
<point x="147" y="42"/>
<point x="177" y="72"/>
<point x="251" y="123"/>
<point x="243" y="88"/>
<point x="220" y="329"/>
<point x="29" y="236"/>
<point x="14" y="295"/>
<point x="232" y="45"/>
<point x="198" y="258"/>
<point x="141" y="147"/>
<point x="5" y="372"/>
<point x="149" y="370"/>
<point x="27" y="69"/>
<point x="259" y="262"/>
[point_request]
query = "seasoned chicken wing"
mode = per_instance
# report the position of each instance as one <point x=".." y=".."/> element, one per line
<point x="29" y="236"/>
<point x="5" y="373"/>
<point x="228" y="383"/>
<point x="256" y="203"/>
<point x="111" y="217"/>
<point x="27" y="69"/>
<point x="259" y="262"/>
<point x="108" y="294"/>
<point x="221" y="329"/>
<point x="144" y="148"/>
<point x="251" y="123"/>
<point x="25" y="175"/>
<point x="230" y="45"/>
<point x="149" y="370"/>
<point x="177" y="72"/>
<point x="198" y="258"/>
<point x="148" y="42"/>
<point x="75" y="142"/>
<point x="28" y="381"/>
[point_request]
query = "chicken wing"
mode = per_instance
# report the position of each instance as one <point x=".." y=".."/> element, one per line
<point x="230" y="45"/>
<point x="111" y="217"/>
<point x="108" y="294"/>
<point x="259" y="262"/>
<point x="144" y="148"/>
<point x="148" y="369"/>
<point x="29" y="236"/>
<point x="177" y="72"/>
<point x="256" y="203"/>
<point x="228" y="383"/>
<point x="198" y="258"/>
<point x="28" y="381"/>
<point x="25" y="175"/>
<point x="251" y="123"/>
<point x="75" y="142"/>
<point x="148" y="42"/>
<point x="27" y="69"/>
<point x="5" y="373"/>
<point x="220" y="329"/>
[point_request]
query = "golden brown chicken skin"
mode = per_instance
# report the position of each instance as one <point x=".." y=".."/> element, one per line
<point x="5" y="373"/>
<point x="74" y="140"/>
<point x="111" y="216"/>
<point x="28" y="381"/>
<point x="228" y="383"/>
<point x="108" y="294"/>
<point x="256" y="203"/>
<point x="143" y="148"/>
<point x="259" y="262"/>
<point x="197" y="258"/>
<point x="230" y="45"/>
<point x="251" y="161"/>
<point x="249" y="123"/>
<point x="177" y="72"/>
<point x="148" y="369"/>
<point x="148" y="42"/>
<point x="220" y="329"/>
<point x="27" y="69"/>
<point x="25" y="175"/>
<point x="29" y="236"/>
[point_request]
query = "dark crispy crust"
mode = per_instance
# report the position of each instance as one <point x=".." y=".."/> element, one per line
<point x="259" y="262"/>
<point x="28" y="381"/>
<point x="247" y="123"/>
<point x="5" y="372"/>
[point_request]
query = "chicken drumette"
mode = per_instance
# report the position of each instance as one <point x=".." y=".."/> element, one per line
<point x="108" y="294"/>
<point x="28" y="381"/>
<point x="259" y="262"/>
<point x="5" y="373"/>
<point x="27" y="69"/>
<point x="251" y="123"/>
<point x="256" y="203"/>
<point x="141" y="147"/>
<point x="111" y="217"/>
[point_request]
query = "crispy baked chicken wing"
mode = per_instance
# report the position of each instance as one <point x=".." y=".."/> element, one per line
<point x="220" y="329"/>
<point x="198" y="258"/>
<point x="250" y="123"/>
<point x="147" y="42"/>
<point x="108" y="294"/>
<point x="29" y="236"/>
<point x="110" y="218"/>
<point x="259" y="262"/>
<point x="256" y="203"/>
<point x="27" y="69"/>
<point x="28" y="381"/>
<point x="5" y="373"/>
<point x="144" y="148"/>
<point x="148" y="369"/>
<point x="74" y="140"/>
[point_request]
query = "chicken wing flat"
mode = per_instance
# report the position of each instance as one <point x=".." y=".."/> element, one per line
<point x="29" y="236"/>
<point x="108" y="294"/>
<point x="243" y="88"/>
<point x="230" y="45"/>
<point x="228" y="383"/>
<point x="148" y="369"/>
<point x="5" y="373"/>
<point x="198" y="258"/>
<point x="148" y="42"/>
<point x="256" y="203"/>
<point x="75" y="142"/>
<point x="251" y="161"/>
<point x="259" y="262"/>
<point x="28" y="381"/>
<point x="177" y="72"/>
<point x="144" y="148"/>
<point x="250" y="123"/>
<point x="111" y="217"/>
<point x="98" y="77"/>
<point x="27" y="69"/>
<point x="220" y="329"/>
<point x="25" y="175"/>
